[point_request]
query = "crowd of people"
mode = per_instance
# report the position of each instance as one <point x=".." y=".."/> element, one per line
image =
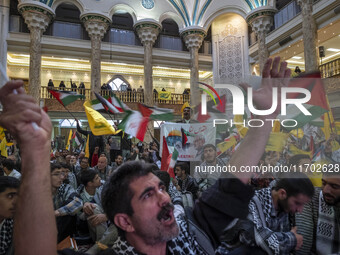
<point x="127" y="205"/>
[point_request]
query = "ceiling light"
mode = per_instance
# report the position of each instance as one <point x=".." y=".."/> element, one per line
<point x="332" y="49"/>
<point x="296" y="57"/>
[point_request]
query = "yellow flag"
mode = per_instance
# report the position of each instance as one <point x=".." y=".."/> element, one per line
<point x="223" y="146"/>
<point x="328" y="121"/>
<point x="3" y="148"/>
<point x="2" y="133"/>
<point x="241" y="129"/>
<point x="98" y="124"/>
<point x="276" y="141"/>
<point x="68" y="140"/>
<point x="295" y="151"/>
<point x="337" y="127"/>
<point x="164" y="95"/>
<point x="87" y="147"/>
<point x="297" y="133"/>
<point x="276" y="127"/>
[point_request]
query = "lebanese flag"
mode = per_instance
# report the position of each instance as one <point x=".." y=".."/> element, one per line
<point x="317" y="105"/>
<point x="66" y="97"/>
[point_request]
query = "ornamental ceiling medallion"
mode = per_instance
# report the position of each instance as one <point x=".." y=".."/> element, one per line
<point x="148" y="4"/>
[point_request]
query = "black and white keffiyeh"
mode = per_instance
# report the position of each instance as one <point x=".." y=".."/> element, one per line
<point x="183" y="244"/>
<point x="327" y="232"/>
<point x="6" y="236"/>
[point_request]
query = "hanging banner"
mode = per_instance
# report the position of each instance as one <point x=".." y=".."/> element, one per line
<point x="164" y="95"/>
<point x="188" y="139"/>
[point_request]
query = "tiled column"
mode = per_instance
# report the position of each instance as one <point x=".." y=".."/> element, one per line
<point x="193" y="39"/>
<point x="148" y="32"/>
<point x="37" y="17"/>
<point x="96" y="27"/>
<point x="4" y="24"/>
<point x="261" y="20"/>
<point x="309" y="31"/>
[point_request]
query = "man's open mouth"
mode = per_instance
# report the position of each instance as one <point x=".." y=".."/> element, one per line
<point x="165" y="215"/>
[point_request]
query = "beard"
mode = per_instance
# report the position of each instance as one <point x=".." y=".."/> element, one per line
<point x="330" y="199"/>
<point x="283" y="205"/>
<point x="154" y="232"/>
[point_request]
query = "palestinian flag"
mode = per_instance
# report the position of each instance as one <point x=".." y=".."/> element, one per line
<point x="77" y="140"/>
<point x="184" y="137"/>
<point x="109" y="107"/>
<point x="165" y="155"/>
<point x="66" y="97"/>
<point x="109" y="103"/>
<point x="158" y="113"/>
<point x="317" y="105"/>
<point x="172" y="164"/>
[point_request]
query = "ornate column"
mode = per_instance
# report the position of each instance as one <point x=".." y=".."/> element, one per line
<point x="96" y="27"/>
<point x="148" y="31"/>
<point x="309" y="31"/>
<point x="37" y="17"/>
<point x="261" y="20"/>
<point x="193" y="38"/>
<point x="4" y="24"/>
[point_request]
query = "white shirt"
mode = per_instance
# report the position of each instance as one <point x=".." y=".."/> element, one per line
<point x="14" y="174"/>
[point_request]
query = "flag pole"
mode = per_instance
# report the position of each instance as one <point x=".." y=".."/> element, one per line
<point x="70" y="113"/>
<point x="329" y="119"/>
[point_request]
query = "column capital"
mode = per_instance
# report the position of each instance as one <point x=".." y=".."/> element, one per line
<point x="36" y="16"/>
<point x="303" y="2"/>
<point x="147" y="31"/>
<point x="193" y="37"/>
<point x="261" y="19"/>
<point x="96" y="25"/>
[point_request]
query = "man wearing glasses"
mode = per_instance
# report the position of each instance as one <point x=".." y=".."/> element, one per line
<point x="65" y="201"/>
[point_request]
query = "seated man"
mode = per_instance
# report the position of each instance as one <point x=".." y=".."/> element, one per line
<point x="90" y="192"/>
<point x="319" y="221"/>
<point x="8" y="196"/>
<point x="269" y="209"/>
<point x="8" y="167"/>
<point x="116" y="164"/>
<point x="66" y="203"/>
<point x="103" y="168"/>
<point x="184" y="181"/>
<point x="69" y="177"/>
<point x="83" y="165"/>
<point x="204" y="178"/>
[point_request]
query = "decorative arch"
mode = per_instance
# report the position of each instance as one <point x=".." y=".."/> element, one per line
<point x="122" y="86"/>
<point x="76" y="3"/>
<point x="171" y="15"/>
<point x="224" y="10"/>
<point x="123" y="8"/>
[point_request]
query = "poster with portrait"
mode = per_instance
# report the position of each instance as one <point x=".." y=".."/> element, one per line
<point x="188" y="139"/>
